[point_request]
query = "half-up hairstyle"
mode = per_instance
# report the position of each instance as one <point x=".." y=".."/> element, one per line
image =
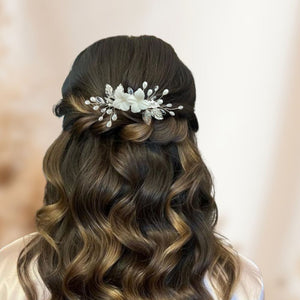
<point x="129" y="211"/>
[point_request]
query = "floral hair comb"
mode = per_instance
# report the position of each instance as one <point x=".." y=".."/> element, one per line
<point x="136" y="101"/>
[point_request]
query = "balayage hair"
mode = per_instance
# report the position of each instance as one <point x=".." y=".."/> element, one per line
<point x="129" y="211"/>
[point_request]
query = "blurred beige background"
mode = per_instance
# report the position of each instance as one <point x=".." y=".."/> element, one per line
<point x="245" y="57"/>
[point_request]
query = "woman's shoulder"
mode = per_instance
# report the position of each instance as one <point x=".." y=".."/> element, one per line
<point x="250" y="284"/>
<point x="21" y="240"/>
<point x="10" y="288"/>
<point x="15" y="246"/>
<point x="9" y="255"/>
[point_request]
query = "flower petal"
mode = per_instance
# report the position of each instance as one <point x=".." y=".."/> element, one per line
<point x="144" y="104"/>
<point x="121" y="104"/>
<point x="135" y="108"/>
<point x="131" y="99"/>
<point x="119" y="91"/>
<point x="139" y="94"/>
<point x="124" y="106"/>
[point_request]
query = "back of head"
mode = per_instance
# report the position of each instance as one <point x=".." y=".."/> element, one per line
<point x="129" y="61"/>
<point x="129" y="209"/>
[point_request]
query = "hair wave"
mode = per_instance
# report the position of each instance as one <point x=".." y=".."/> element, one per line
<point x="129" y="211"/>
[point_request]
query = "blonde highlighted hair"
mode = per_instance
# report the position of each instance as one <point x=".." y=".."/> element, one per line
<point x="129" y="211"/>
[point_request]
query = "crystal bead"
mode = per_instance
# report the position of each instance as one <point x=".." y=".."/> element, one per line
<point x="103" y="109"/>
<point x="100" y="100"/>
<point x="172" y="113"/>
<point x="160" y="101"/>
<point x="145" y="84"/>
<point x="108" y="124"/>
<point x="114" y="117"/>
<point x="95" y="107"/>
<point x="169" y="105"/>
<point x="87" y="102"/>
<point x="130" y="90"/>
<point x="109" y="111"/>
<point x="180" y="107"/>
<point x="100" y="118"/>
<point x="156" y="88"/>
<point x="93" y="99"/>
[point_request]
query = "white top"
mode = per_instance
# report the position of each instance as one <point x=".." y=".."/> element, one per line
<point x="250" y="286"/>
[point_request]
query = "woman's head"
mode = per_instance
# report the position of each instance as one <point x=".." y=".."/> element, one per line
<point x="129" y="61"/>
<point x="129" y="210"/>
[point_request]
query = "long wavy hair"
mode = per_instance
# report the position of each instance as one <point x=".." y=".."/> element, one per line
<point x="129" y="211"/>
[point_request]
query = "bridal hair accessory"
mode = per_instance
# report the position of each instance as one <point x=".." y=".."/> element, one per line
<point x="136" y="101"/>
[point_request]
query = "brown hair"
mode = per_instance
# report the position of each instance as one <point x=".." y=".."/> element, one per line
<point x="129" y="210"/>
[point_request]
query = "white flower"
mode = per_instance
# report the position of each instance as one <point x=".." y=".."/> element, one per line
<point x="137" y="101"/>
<point x="121" y="98"/>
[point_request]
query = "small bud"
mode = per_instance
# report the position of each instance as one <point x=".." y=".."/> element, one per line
<point x="149" y="92"/>
<point x="145" y="84"/>
<point x="165" y="92"/>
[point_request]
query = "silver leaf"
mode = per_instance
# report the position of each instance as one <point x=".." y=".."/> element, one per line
<point x="157" y="114"/>
<point x="147" y="116"/>
<point x="108" y="90"/>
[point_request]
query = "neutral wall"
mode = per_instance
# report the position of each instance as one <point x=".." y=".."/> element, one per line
<point x="245" y="57"/>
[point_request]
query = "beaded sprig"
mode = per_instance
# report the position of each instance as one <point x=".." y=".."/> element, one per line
<point x="136" y="101"/>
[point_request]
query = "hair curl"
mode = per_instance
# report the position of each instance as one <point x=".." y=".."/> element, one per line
<point x="129" y="211"/>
